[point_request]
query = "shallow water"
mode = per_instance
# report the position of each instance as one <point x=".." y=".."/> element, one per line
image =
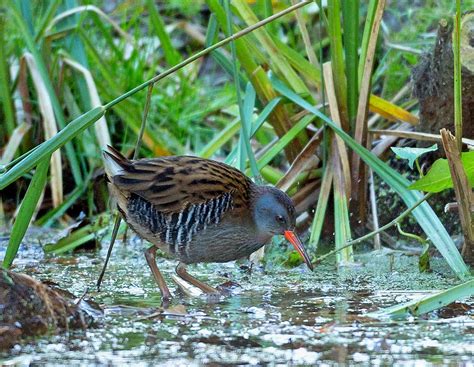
<point x="280" y="316"/>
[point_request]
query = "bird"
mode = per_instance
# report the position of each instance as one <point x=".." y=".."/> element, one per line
<point x="198" y="211"/>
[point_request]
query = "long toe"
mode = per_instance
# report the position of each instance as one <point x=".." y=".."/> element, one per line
<point x="165" y="302"/>
<point x="228" y="288"/>
<point x="184" y="275"/>
<point x="187" y="288"/>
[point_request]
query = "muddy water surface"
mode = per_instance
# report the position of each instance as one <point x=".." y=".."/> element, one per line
<point x="277" y="316"/>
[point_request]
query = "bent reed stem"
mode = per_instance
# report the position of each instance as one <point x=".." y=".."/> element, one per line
<point x="371" y="234"/>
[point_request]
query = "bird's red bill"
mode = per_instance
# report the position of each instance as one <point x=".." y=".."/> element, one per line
<point x="295" y="241"/>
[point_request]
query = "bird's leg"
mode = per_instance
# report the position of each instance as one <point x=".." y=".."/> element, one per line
<point x="183" y="274"/>
<point x="150" y="255"/>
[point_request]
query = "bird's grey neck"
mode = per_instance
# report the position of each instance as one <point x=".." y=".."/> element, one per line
<point x="256" y="194"/>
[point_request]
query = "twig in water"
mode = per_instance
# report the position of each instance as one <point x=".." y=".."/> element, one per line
<point x="371" y="234"/>
<point x="83" y="295"/>
<point x="109" y="251"/>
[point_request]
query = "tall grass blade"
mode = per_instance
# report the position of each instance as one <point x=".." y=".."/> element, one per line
<point x="300" y="64"/>
<point x="268" y="11"/>
<point x="46" y="148"/>
<point x="93" y="9"/>
<point x="138" y="143"/>
<point x="457" y="75"/>
<point x="27" y="36"/>
<point x="48" y="15"/>
<point x="279" y="119"/>
<point x="276" y="58"/>
<point x="342" y="227"/>
<point x="247" y="114"/>
<point x="337" y="59"/>
<point x="255" y="127"/>
<point x="369" y="21"/>
<point x="323" y="199"/>
<point x="171" y="55"/>
<point x="350" y="12"/>
<point x="339" y="148"/>
<point x="13" y="143"/>
<point x="306" y="40"/>
<point x="284" y="141"/>
<point x="27" y="208"/>
<point x="245" y="107"/>
<point x="341" y="175"/>
<point x="359" y="175"/>
<point x="101" y="130"/>
<point x="303" y="161"/>
<point x="391" y="111"/>
<point x="75" y="48"/>
<point x="264" y="115"/>
<point x="25" y="8"/>
<point x="220" y="139"/>
<point x="5" y="87"/>
<point x="50" y="128"/>
<point x="218" y="55"/>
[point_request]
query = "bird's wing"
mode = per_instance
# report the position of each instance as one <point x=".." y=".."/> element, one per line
<point x="173" y="184"/>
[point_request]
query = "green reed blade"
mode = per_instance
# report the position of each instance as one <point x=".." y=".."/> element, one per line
<point x="27" y="208"/>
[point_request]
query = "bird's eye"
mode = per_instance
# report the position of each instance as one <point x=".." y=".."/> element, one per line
<point x="280" y="219"/>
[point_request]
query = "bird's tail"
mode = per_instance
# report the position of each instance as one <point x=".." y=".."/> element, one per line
<point x="114" y="161"/>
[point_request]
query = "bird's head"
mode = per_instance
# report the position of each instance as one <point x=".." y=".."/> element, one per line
<point x="274" y="214"/>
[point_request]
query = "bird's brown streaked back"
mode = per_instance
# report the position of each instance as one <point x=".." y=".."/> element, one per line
<point x="171" y="184"/>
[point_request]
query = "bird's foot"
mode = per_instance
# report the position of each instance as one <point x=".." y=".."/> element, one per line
<point x="165" y="301"/>
<point x="211" y="294"/>
<point x="229" y="287"/>
<point x="187" y="288"/>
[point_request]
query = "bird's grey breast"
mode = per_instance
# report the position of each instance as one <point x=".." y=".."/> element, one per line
<point x="230" y="240"/>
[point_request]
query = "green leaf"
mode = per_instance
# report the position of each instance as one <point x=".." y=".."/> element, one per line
<point x="439" y="178"/>
<point x="219" y="57"/>
<point x="255" y="126"/>
<point x="66" y="244"/>
<point x="284" y="141"/>
<point x="52" y="215"/>
<point x="248" y="105"/>
<point x="337" y="55"/>
<point x="350" y="11"/>
<point x="429" y="303"/>
<point x="76" y="237"/>
<point x="342" y="226"/>
<point x="369" y="21"/>
<point x="27" y="208"/>
<point x="320" y="213"/>
<point x="172" y="56"/>
<point x="411" y="154"/>
<point x="424" y="259"/>
<point x="5" y="96"/>
<point x="293" y="260"/>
